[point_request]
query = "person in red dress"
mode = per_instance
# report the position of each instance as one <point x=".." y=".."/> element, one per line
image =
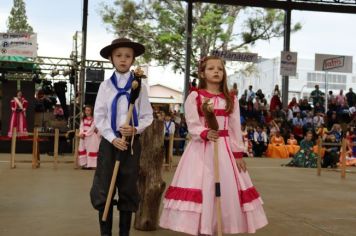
<point x="18" y="115"/>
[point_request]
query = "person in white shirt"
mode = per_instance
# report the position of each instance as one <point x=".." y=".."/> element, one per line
<point x="110" y="111"/>
<point x="169" y="129"/>
<point x="259" y="142"/>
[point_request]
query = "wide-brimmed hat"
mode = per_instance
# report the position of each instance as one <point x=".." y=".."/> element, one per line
<point x="138" y="48"/>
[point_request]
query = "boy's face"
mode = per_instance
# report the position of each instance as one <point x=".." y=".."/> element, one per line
<point x="122" y="58"/>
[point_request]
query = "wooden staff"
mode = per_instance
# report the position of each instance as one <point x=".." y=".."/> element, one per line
<point x="135" y="91"/>
<point x="13" y="148"/>
<point x="210" y="118"/>
<point x="343" y="159"/>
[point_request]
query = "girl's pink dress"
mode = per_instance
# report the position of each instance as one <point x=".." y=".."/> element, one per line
<point x="89" y="146"/>
<point x="189" y="203"/>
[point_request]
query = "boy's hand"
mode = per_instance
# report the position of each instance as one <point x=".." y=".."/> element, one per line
<point x="241" y="165"/>
<point x="127" y="130"/>
<point x="120" y="144"/>
<point x="213" y="135"/>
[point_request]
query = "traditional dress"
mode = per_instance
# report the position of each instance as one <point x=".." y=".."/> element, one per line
<point x="292" y="146"/>
<point x="18" y="117"/>
<point x="89" y="145"/>
<point x="189" y="203"/>
<point x="305" y="157"/>
<point x="277" y="148"/>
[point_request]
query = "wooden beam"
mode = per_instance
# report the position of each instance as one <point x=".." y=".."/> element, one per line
<point x="302" y="6"/>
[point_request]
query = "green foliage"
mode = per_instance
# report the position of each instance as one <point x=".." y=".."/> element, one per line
<point x="160" y="26"/>
<point x="17" y="21"/>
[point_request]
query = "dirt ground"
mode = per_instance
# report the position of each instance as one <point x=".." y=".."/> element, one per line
<point x="50" y="201"/>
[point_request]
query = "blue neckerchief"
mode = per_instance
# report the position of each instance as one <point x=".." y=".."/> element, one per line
<point x="120" y="92"/>
<point x="259" y="139"/>
<point x="167" y="127"/>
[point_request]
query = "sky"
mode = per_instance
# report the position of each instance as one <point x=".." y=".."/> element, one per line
<point x="56" y="22"/>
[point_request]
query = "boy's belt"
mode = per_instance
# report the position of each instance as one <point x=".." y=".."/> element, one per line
<point x="118" y="133"/>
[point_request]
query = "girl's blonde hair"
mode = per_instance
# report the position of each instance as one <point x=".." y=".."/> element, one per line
<point x="223" y="85"/>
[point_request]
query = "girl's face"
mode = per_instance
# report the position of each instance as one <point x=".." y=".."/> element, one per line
<point x="88" y="111"/>
<point x="309" y="137"/>
<point x="19" y="94"/>
<point x="122" y="58"/>
<point x="214" y="71"/>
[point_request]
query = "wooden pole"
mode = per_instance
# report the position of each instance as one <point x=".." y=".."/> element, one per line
<point x="55" y="151"/>
<point x="170" y="148"/>
<point x="35" y="151"/>
<point x="76" y="147"/>
<point x="319" y="156"/>
<point x="13" y="148"/>
<point x="343" y="159"/>
<point x="217" y="186"/>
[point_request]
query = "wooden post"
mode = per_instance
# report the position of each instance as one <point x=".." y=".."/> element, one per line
<point x="170" y="148"/>
<point x="319" y="156"/>
<point x="150" y="183"/>
<point x="13" y="148"/>
<point x="55" y="151"/>
<point x="343" y="159"/>
<point x="35" y="151"/>
<point x="76" y="147"/>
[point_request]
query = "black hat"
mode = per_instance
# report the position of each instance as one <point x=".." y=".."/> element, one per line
<point x="138" y="48"/>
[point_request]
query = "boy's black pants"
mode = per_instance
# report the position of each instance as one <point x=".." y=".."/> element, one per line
<point x="127" y="177"/>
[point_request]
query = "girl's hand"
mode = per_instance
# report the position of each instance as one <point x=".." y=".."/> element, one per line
<point x="120" y="144"/>
<point x="241" y="165"/>
<point x="213" y="135"/>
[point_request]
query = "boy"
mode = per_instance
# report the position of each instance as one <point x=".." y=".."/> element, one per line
<point x="169" y="129"/>
<point x="110" y="112"/>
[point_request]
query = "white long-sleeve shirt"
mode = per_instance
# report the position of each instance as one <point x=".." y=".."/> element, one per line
<point x="104" y="99"/>
<point x="260" y="137"/>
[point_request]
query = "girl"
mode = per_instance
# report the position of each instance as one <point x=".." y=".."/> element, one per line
<point x="277" y="148"/>
<point x="18" y="116"/>
<point x="292" y="145"/>
<point x="89" y="140"/>
<point x="189" y="203"/>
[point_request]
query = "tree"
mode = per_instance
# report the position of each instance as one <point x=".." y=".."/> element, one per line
<point x="17" y="21"/>
<point x="160" y="25"/>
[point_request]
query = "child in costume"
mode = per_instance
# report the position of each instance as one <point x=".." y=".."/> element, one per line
<point x="189" y="204"/>
<point x="89" y="140"/>
<point x="111" y="108"/>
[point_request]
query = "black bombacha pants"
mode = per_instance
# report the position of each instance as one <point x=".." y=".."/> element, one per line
<point x="127" y="177"/>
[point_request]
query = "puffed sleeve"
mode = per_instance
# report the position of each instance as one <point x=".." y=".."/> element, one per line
<point x="13" y="105"/>
<point x="24" y="104"/>
<point x="235" y="132"/>
<point x="81" y="127"/>
<point x="195" y="127"/>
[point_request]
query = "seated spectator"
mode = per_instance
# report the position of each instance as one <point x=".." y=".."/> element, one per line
<point x="297" y="120"/>
<point x="58" y="112"/>
<point x="292" y="145"/>
<point x="350" y="148"/>
<point x="318" y="108"/>
<point x="305" y="157"/>
<point x="331" y="153"/>
<point x="277" y="148"/>
<point x="318" y="119"/>
<point x="259" y="142"/>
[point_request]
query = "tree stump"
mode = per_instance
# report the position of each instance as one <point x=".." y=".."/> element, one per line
<point x="150" y="184"/>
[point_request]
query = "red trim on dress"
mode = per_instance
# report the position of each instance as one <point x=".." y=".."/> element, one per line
<point x="238" y="155"/>
<point x="184" y="194"/>
<point x="248" y="195"/>
<point x="222" y="133"/>
<point x="82" y="152"/>
<point x="93" y="154"/>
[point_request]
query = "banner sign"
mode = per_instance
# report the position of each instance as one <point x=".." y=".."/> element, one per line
<point x="334" y="63"/>
<point x="288" y="63"/>
<point x="235" y="56"/>
<point x="18" y="44"/>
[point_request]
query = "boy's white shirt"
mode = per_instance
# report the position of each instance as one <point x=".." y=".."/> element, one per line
<point x="102" y="108"/>
<point x="172" y="128"/>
